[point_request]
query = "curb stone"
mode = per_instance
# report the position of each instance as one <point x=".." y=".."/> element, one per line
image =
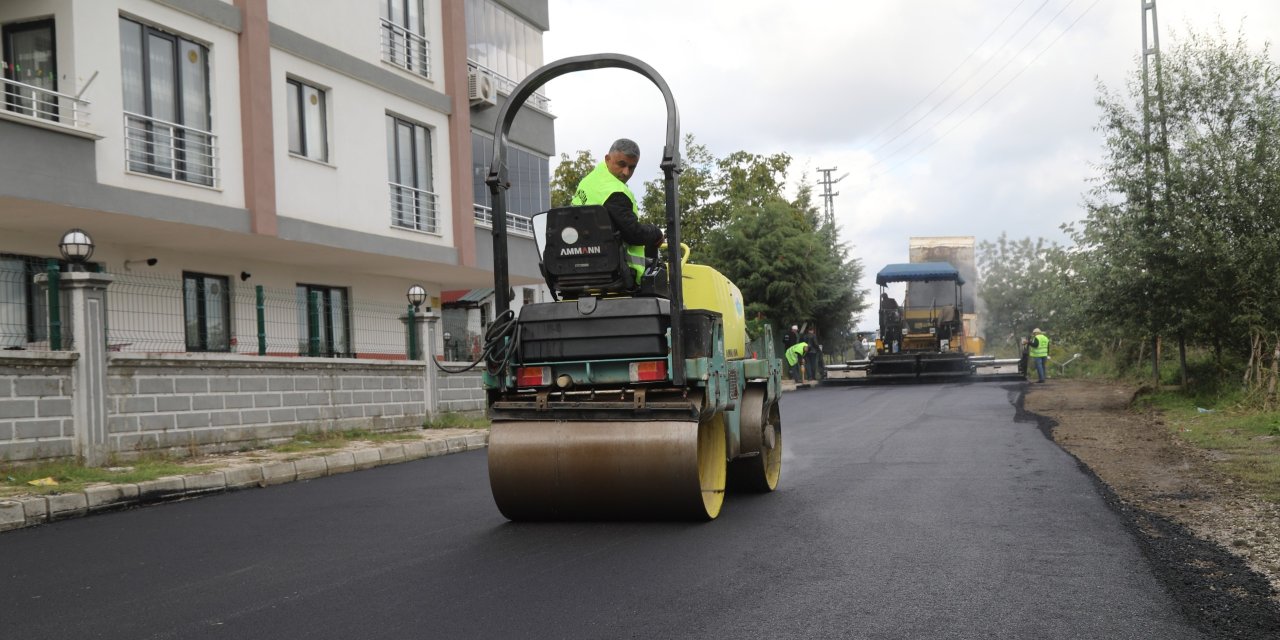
<point x="18" y="513"/>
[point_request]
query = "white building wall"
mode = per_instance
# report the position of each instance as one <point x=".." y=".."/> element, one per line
<point x="351" y="190"/>
<point x="97" y="49"/>
<point x="355" y="28"/>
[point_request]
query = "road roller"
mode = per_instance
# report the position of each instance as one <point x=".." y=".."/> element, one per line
<point x="622" y="400"/>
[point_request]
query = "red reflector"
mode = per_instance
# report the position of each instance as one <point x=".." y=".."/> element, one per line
<point x="533" y="376"/>
<point x="648" y="371"/>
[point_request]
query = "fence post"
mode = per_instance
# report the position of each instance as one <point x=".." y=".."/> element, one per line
<point x="418" y="323"/>
<point x="313" y="326"/>
<point x="413" y="334"/>
<point x="88" y="316"/>
<point x="262" y="321"/>
<point x="54" y="297"/>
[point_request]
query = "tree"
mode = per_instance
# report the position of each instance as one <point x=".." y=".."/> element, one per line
<point x="712" y="189"/>
<point x="1157" y="240"/>
<point x="1017" y="289"/>
<point x="565" y="179"/>
<point x="770" y="253"/>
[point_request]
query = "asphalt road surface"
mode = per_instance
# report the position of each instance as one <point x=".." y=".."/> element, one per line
<point x="903" y="512"/>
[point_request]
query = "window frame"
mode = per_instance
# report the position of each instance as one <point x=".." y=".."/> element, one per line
<point x="423" y="165"/>
<point x="328" y="345"/>
<point x="47" y="112"/>
<point x="297" y="99"/>
<point x="179" y="169"/>
<point x="202" y="313"/>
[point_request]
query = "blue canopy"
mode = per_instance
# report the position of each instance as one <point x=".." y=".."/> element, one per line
<point x="918" y="272"/>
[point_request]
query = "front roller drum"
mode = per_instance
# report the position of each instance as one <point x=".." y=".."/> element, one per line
<point x="759" y="466"/>
<point x="567" y="470"/>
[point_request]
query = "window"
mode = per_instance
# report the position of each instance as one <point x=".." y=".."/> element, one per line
<point x="528" y="172"/>
<point x="527" y="295"/>
<point x="502" y="42"/>
<point x="413" y="205"/>
<point x="307" y="121"/>
<point x="206" y="309"/>
<point x="166" y="104"/>
<point x="404" y="41"/>
<point x="30" y="64"/>
<point x="322" y="315"/>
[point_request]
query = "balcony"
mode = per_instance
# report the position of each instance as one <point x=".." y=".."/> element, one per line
<point x="507" y="85"/>
<point x="413" y="209"/>
<point x="41" y="106"/>
<point x="516" y="223"/>
<point x="169" y="150"/>
<point x="405" y="49"/>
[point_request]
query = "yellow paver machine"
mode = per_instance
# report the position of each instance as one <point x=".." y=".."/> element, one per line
<point x="926" y="336"/>
<point x="622" y="399"/>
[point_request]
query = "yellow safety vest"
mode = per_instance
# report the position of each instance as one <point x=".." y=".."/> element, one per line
<point x="595" y="188"/>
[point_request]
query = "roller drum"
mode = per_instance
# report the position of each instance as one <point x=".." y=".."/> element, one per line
<point x="589" y="470"/>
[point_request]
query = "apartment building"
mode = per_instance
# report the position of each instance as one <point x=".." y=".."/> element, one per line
<point x="259" y="177"/>
<point x="332" y="148"/>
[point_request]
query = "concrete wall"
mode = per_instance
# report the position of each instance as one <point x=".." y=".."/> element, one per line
<point x="216" y="402"/>
<point x="35" y="405"/>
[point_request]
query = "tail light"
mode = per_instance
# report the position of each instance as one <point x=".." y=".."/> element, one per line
<point x="649" y="371"/>
<point x="533" y="376"/>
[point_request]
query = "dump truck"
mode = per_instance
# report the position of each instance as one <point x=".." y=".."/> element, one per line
<point x="958" y="251"/>
<point x="622" y="400"/>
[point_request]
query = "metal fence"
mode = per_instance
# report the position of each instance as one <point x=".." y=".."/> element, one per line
<point x="170" y="314"/>
<point x="158" y="314"/>
<point x="29" y="319"/>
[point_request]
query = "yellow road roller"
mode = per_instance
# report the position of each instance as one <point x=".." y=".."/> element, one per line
<point x="622" y="400"/>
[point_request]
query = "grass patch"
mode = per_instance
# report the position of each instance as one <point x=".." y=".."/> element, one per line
<point x="324" y="440"/>
<point x="1245" y="441"/>
<point x="73" y="476"/>
<point x="457" y="421"/>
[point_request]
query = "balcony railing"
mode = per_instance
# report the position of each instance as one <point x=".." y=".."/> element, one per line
<point x="516" y="223"/>
<point x="405" y="49"/>
<point x="170" y="150"/>
<point x="507" y="85"/>
<point x="413" y="209"/>
<point x="34" y="102"/>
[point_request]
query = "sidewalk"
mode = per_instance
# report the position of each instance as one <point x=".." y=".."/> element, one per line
<point x="245" y="470"/>
<point x="235" y="471"/>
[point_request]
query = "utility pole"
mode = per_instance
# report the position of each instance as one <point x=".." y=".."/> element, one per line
<point x="1151" y="62"/>
<point x="828" y="196"/>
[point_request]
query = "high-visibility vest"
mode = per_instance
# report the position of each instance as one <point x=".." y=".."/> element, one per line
<point x="1039" y="346"/>
<point x="794" y="353"/>
<point x="595" y="188"/>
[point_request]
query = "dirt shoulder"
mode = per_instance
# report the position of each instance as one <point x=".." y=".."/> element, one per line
<point x="1215" y="546"/>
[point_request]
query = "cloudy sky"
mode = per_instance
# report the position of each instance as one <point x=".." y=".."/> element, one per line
<point x="951" y="117"/>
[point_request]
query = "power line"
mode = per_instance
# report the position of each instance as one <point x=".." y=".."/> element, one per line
<point x="967" y="79"/>
<point x="934" y="90"/>
<point x="992" y="96"/>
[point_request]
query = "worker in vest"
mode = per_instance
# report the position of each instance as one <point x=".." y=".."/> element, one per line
<point x="794" y="353"/>
<point x="1038" y="351"/>
<point x="607" y="185"/>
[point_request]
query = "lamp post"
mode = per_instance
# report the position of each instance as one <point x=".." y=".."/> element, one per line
<point x="76" y="247"/>
<point x="416" y="296"/>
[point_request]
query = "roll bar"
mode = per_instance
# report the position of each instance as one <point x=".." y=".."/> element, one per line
<point x="497" y="181"/>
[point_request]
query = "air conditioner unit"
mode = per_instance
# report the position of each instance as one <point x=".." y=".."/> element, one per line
<point x="481" y="89"/>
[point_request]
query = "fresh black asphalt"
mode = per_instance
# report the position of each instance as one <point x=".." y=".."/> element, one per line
<point x="903" y="512"/>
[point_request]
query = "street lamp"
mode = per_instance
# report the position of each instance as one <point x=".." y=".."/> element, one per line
<point x="76" y="247"/>
<point x="416" y="295"/>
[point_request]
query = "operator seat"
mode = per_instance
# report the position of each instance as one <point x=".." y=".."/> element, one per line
<point x="583" y="254"/>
